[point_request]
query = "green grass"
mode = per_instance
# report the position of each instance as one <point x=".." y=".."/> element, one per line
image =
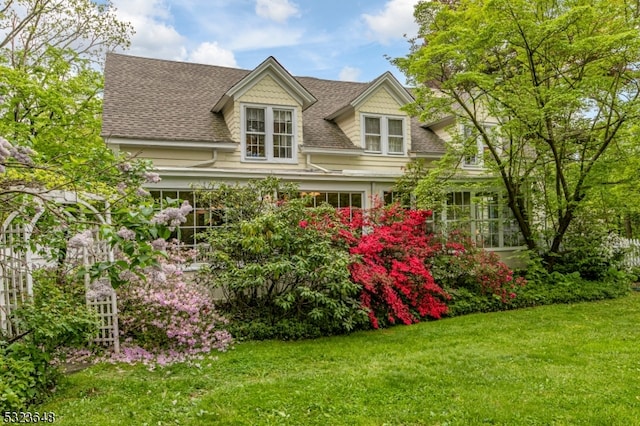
<point x="552" y="365"/>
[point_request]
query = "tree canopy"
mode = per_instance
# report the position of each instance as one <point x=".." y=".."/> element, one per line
<point x="51" y="87"/>
<point x="559" y="77"/>
<point x="78" y="28"/>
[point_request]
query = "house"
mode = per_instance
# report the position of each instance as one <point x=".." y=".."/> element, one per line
<point x="345" y="141"/>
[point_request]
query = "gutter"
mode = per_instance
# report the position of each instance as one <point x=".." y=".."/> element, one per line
<point x="315" y="166"/>
<point x="214" y="158"/>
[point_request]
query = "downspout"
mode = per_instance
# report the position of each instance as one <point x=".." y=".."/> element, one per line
<point x="214" y="158"/>
<point x="315" y="166"/>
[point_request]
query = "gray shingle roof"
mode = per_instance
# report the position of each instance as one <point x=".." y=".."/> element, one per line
<point x="166" y="100"/>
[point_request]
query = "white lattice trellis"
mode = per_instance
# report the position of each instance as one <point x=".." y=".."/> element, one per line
<point x="15" y="268"/>
<point x="105" y="305"/>
<point x="17" y="262"/>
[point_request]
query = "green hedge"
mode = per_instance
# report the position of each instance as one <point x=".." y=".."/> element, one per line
<point x="544" y="288"/>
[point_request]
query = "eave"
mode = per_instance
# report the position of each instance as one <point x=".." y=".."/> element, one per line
<point x="356" y="152"/>
<point x="172" y="144"/>
<point x="291" y="175"/>
<point x="431" y="155"/>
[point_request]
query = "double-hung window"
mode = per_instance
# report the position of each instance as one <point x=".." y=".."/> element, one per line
<point x="383" y="135"/>
<point x="268" y="133"/>
<point x="474" y="146"/>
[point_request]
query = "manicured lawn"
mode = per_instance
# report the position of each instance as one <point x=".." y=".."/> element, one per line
<point x="553" y="365"/>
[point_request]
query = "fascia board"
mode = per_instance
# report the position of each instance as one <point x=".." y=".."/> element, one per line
<point x="297" y="175"/>
<point x="329" y="151"/>
<point x="175" y="144"/>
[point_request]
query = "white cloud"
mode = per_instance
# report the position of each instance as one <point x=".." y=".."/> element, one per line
<point x="349" y="74"/>
<point x="213" y="54"/>
<point x="393" y="22"/>
<point x="276" y="10"/>
<point x="156" y="37"/>
<point x="153" y="36"/>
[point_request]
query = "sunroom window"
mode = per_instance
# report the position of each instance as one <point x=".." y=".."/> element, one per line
<point x="484" y="216"/>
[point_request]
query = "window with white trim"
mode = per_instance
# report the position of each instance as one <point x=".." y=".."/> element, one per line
<point x="268" y="133"/>
<point x="336" y="199"/>
<point x="383" y="135"/>
<point x="484" y="216"/>
<point x="474" y="146"/>
<point x="203" y="217"/>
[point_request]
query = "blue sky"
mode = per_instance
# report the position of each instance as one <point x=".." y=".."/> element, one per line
<point x="332" y="39"/>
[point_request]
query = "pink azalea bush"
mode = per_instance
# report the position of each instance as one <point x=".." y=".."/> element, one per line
<point x="164" y="319"/>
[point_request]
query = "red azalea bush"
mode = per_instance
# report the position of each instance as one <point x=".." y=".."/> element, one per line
<point x="389" y="263"/>
<point x="407" y="274"/>
<point x="464" y="269"/>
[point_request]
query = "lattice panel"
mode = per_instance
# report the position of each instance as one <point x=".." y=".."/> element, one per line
<point x="107" y="310"/>
<point x="16" y="277"/>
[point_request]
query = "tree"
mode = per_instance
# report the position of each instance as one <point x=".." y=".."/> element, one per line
<point x="560" y="77"/>
<point x="84" y="28"/>
<point x="51" y="85"/>
<point x="50" y="109"/>
<point x="616" y="191"/>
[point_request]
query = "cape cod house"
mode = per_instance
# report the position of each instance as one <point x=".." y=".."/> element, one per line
<point x="345" y="141"/>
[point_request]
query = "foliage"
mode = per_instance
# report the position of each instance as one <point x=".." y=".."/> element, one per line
<point x="55" y="110"/>
<point x="535" y="366"/>
<point x="590" y="250"/>
<point x="275" y="271"/>
<point x="52" y="320"/>
<point x="164" y="319"/>
<point x="82" y="28"/>
<point x="138" y="235"/>
<point x="390" y="264"/>
<point x="615" y="190"/>
<point x="545" y="288"/>
<point x="51" y="89"/>
<point x="559" y="80"/>
<point x="475" y="278"/>
<point x="17" y="380"/>
<point x="50" y="98"/>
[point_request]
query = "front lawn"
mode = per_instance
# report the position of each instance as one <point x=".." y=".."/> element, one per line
<point x="561" y="365"/>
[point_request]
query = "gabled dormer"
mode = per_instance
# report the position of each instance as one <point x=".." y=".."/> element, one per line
<point x="264" y="112"/>
<point x="374" y="121"/>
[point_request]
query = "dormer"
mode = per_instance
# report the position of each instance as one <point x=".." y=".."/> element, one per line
<point x="264" y="112"/>
<point x="374" y="121"/>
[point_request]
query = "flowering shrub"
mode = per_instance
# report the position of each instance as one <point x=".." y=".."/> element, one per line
<point x="139" y="241"/>
<point x="389" y="264"/>
<point x="18" y="154"/>
<point x="464" y="269"/>
<point x="163" y="319"/>
<point x="280" y="277"/>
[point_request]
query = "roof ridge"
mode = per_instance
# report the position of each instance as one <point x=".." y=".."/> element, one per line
<point x="175" y="61"/>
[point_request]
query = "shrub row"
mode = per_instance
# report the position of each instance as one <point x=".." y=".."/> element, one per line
<point x="288" y="271"/>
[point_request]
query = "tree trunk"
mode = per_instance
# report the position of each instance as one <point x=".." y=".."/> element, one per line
<point x="628" y="228"/>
